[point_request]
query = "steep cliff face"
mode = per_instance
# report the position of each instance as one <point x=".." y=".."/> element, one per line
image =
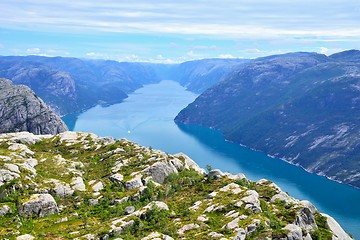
<point x="199" y="75"/>
<point x="81" y="186"/>
<point x="22" y="110"/>
<point x="301" y="107"/>
<point x="70" y="85"/>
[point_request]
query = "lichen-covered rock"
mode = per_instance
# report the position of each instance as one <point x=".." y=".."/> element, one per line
<point x="78" y="184"/>
<point x="97" y="187"/>
<point x="215" y="235"/>
<point x="215" y="174"/>
<point x="283" y="196"/>
<point x="129" y="209"/>
<point x="189" y="163"/>
<point x="234" y="224"/>
<point x="157" y="204"/>
<point x="7" y="176"/>
<point x="62" y="189"/>
<point x="241" y="234"/>
<point x="117" y="178"/>
<point x="295" y="232"/>
<point x="40" y="205"/>
<point x="232" y="187"/>
<point x="187" y="227"/>
<point x="25" y="237"/>
<point x="134" y="183"/>
<point x="12" y="167"/>
<point x="252" y="201"/>
<point x="4" y="209"/>
<point x="157" y="236"/>
<point x="305" y="219"/>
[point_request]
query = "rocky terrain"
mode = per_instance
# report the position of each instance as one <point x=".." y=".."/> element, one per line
<point x="300" y="107"/>
<point x="81" y="186"/>
<point x="22" y="110"/>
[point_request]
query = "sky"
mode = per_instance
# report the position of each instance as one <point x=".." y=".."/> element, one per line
<point x="166" y="31"/>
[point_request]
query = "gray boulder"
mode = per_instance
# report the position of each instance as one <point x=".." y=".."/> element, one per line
<point x="189" y="163"/>
<point x="4" y="210"/>
<point x="25" y="237"/>
<point x="78" y="184"/>
<point x="12" y="167"/>
<point x="241" y="234"/>
<point x="129" y="209"/>
<point x="134" y="183"/>
<point x="117" y="178"/>
<point x="159" y="171"/>
<point x="283" y="196"/>
<point x="309" y="205"/>
<point x="215" y="174"/>
<point x="252" y="201"/>
<point x="40" y="205"/>
<point x="7" y="176"/>
<point x="295" y="232"/>
<point x="62" y="189"/>
<point x="305" y="219"/>
<point x="158" y="205"/>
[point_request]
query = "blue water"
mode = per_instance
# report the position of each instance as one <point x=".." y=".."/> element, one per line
<point x="146" y="117"/>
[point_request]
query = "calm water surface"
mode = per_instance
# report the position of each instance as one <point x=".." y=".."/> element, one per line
<point x="146" y="117"/>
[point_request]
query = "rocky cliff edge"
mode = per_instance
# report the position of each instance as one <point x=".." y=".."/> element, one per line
<point x="81" y="186"/>
<point x="22" y="110"/>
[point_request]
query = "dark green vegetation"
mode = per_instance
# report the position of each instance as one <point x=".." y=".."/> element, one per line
<point x="186" y="204"/>
<point x="301" y="107"/>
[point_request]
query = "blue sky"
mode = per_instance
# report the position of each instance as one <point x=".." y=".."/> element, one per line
<point x="176" y="31"/>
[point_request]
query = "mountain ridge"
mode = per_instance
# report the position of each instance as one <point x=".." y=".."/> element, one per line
<point x="71" y="85"/>
<point x="302" y="111"/>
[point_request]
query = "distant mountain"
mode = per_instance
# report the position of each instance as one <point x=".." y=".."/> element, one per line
<point x="22" y="110"/>
<point x="71" y="85"/>
<point x="301" y="107"/>
<point x="199" y="75"/>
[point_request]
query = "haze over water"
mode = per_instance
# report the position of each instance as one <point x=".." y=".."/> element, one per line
<point x="146" y="117"/>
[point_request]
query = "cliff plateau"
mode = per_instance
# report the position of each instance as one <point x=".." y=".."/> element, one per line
<point x="81" y="186"/>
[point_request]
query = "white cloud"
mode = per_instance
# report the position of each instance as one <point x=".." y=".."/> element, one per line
<point x="329" y="51"/>
<point x="226" y="19"/>
<point x="324" y="50"/>
<point x="90" y="54"/>
<point x="204" y="48"/>
<point x="252" y="50"/>
<point x="160" y="57"/>
<point x="33" y="50"/>
<point x="226" y="56"/>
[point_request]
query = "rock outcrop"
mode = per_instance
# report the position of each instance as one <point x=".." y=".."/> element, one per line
<point x="41" y="205"/>
<point x="80" y="186"/>
<point x="22" y="110"/>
